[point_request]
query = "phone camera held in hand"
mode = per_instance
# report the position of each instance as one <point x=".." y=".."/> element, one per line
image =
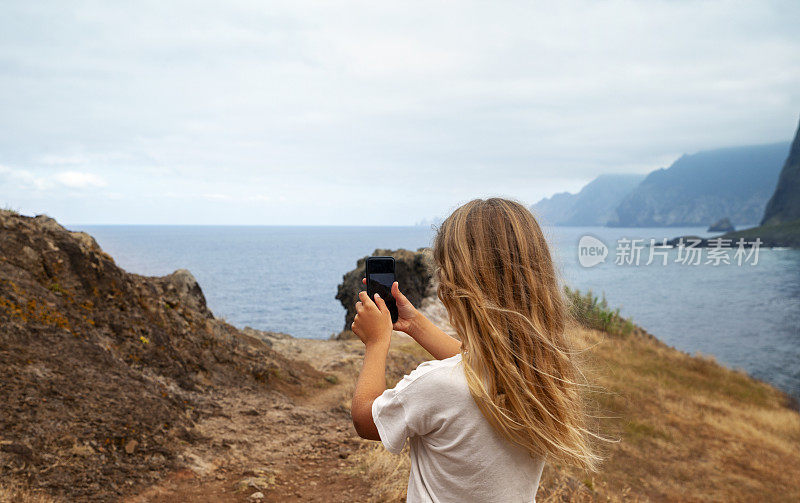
<point x="380" y="276"/>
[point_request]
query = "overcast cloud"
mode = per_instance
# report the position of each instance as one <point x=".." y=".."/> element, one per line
<point x="370" y="112"/>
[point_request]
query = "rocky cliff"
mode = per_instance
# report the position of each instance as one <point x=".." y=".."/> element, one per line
<point x="593" y="205"/>
<point x="784" y="205"/>
<point x="414" y="272"/>
<point x="704" y="187"/>
<point x="104" y="373"/>
<point x="780" y="225"/>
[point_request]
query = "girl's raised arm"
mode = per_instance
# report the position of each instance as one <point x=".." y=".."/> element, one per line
<point x="421" y="329"/>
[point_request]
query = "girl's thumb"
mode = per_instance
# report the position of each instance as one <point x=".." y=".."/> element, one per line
<point x="399" y="298"/>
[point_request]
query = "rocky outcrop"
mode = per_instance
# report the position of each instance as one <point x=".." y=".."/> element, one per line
<point x="414" y="272"/>
<point x="593" y="205"/>
<point x="705" y="187"/>
<point x="723" y="225"/>
<point x="180" y="288"/>
<point x="103" y="373"/>
<point x="784" y="205"/>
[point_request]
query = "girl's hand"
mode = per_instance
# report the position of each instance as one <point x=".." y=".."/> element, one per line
<point x="373" y="322"/>
<point x="407" y="314"/>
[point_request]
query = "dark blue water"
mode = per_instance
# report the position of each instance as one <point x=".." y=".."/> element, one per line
<point x="747" y="317"/>
<point x="284" y="279"/>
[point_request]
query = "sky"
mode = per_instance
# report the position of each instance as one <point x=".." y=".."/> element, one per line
<point x="370" y="113"/>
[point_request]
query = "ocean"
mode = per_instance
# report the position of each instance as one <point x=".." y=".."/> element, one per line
<point x="284" y="279"/>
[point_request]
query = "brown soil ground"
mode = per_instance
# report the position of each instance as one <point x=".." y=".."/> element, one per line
<point x="687" y="429"/>
<point x="684" y="429"/>
<point x="288" y="448"/>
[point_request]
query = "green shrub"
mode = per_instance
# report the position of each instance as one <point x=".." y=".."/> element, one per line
<point x="593" y="312"/>
<point x="57" y="289"/>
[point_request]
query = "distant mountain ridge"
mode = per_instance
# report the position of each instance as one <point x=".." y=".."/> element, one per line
<point x="593" y="205"/>
<point x="699" y="189"/>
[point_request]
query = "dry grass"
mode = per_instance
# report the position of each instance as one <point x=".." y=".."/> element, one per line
<point x="387" y="473"/>
<point x="691" y="429"/>
<point x="12" y="493"/>
<point x="688" y="429"/>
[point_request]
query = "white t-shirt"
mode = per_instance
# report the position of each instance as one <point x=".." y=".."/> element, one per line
<point x="456" y="454"/>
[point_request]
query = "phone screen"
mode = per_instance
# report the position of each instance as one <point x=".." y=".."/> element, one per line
<point x="380" y="276"/>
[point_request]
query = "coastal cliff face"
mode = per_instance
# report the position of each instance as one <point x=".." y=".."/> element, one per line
<point x="780" y="225"/>
<point x="784" y="205"/>
<point x="414" y="273"/>
<point x="593" y="205"/>
<point x="104" y="373"/>
<point x="705" y="187"/>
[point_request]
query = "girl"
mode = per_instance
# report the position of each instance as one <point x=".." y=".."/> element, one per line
<point x="480" y="419"/>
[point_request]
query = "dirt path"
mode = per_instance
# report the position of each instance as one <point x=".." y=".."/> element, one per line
<point x="286" y="448"/>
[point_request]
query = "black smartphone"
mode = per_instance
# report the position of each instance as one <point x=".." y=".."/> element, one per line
<point x="380" y="276"/>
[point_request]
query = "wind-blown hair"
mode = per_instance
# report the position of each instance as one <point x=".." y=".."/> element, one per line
<point x="499" y="285"/>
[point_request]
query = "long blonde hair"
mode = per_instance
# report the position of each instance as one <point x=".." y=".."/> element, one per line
<point x="499" y="285"/>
